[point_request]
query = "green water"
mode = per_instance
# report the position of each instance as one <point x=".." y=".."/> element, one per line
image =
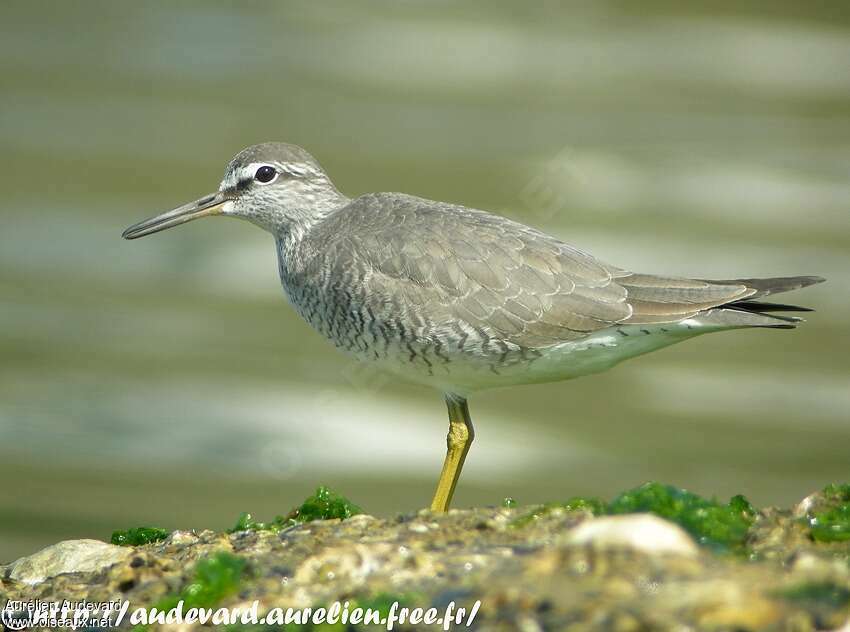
<point x="167" y="382"/>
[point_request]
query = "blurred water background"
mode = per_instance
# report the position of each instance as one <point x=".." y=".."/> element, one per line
<point x="167" y="382"/>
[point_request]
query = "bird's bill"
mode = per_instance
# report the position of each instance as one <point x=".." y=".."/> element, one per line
<point x="204" y="207"/>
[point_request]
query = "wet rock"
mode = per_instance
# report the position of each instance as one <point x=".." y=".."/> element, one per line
<point x="182" y="538"/>
<point x="561" y="570"/>
<point x="70" y="556"/>
<point x="641" y="532"/>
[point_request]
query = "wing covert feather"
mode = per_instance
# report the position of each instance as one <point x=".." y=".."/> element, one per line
<point x="496" y="276"/>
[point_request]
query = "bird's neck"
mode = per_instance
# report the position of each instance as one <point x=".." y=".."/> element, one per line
<point x="310" y="203"/>
<point x="299" y="222"/>
<point x="291" y="234"/>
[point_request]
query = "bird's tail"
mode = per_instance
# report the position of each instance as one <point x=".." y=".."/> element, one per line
<point x="751" y="312"/>
<point x="773" y="285"/>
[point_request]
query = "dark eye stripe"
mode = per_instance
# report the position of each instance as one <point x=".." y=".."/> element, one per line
<point x="243" y="184"/>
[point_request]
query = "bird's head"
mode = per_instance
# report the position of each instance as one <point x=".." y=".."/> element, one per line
<point x="278" y="187"/>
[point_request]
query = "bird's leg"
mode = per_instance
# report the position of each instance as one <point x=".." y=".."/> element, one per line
<point x="458" y="441"/>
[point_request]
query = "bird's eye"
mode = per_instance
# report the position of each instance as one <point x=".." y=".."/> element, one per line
<point x="265" y="174"/>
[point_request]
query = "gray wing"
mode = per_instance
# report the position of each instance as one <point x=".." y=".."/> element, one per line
<point x="501" y="278"/>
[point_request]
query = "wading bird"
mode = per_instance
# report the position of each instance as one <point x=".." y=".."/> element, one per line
<point x="457" y="298"/>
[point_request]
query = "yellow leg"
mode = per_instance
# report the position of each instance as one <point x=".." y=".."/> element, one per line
<point x="458" y="441"/>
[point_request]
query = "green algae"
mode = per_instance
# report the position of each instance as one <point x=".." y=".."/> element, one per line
<point x="214" y="579"/>
<point x="832" y="525"/>
<point x="832" y="522"/>
<point x="246" y="522"/>
<point x="720" y="527"/>
<point x="324" y="504"/>
<point x="138" y="536"/>
<point x="834" y="491"/>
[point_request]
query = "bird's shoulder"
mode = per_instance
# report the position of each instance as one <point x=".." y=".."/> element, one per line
<point x="410" y="226"/>
<point x="387" y="213"/>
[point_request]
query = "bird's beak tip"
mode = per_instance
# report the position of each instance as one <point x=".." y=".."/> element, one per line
<point x="206" y="206"/>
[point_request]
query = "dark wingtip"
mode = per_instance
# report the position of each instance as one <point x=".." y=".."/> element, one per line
<point x="777" y="285"/>
<point x="806" y="281"/>
<point x="770" y="285"/>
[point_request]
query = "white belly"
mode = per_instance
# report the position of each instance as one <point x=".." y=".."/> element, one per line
<point x="598" y="352"/>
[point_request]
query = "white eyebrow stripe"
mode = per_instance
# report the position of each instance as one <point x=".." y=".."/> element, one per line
<point x="291" y="169"/>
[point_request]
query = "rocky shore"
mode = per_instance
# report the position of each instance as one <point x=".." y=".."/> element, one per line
<point x="685" y="564"/>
